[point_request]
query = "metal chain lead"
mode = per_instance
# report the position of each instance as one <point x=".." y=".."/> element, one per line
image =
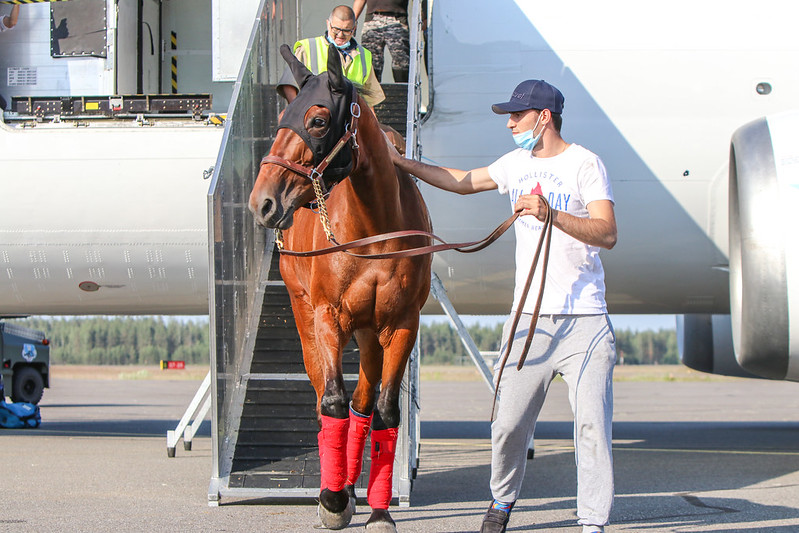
<point x="320" y="200"/>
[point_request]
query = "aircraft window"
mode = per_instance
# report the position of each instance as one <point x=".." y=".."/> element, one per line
<point x="78" y="29"/>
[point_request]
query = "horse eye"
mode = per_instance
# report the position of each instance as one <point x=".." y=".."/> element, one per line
<point x="316" y="123"/>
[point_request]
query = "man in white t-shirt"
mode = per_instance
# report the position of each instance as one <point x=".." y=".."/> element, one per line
<point x="573" y="336"/>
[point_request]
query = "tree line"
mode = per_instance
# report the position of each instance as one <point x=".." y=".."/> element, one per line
<point x="123" y="340"/>
<point x="440" y="344"/>
<point x="148" y="340"/>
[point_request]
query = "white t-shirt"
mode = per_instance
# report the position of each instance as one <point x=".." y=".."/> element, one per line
<point x="569" y="181"/>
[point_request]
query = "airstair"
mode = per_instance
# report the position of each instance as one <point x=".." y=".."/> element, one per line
<point x="264" y="430"/>
<point x="277" y="445"/>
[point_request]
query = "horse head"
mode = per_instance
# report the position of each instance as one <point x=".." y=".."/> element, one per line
<point x="311" y="127"/>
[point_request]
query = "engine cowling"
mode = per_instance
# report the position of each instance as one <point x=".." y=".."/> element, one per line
<point x="764" y="246"/>
<point x="705" y="344"/>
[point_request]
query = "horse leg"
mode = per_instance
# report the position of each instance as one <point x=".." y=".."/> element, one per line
<point x="385" y="428"/>
<point x="320" y="363"/>
<point x="362" y="405"/>
<point x="356" y="442"/>
<point x="381" y="474"/>
<point x="335" y="508"/>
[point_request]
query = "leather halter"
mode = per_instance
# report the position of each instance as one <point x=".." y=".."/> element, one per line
<point x="314" y="174"/>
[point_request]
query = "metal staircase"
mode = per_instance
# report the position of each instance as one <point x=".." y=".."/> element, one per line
<point x="277" y="445"/>
<point x="264" y="430"/>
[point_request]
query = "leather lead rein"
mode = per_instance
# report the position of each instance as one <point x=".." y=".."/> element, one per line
<point x="463" y="247"/>
<point x="544" y="240"/>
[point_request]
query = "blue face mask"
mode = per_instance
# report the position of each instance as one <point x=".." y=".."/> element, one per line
<point x="339" y="46"/>
<point x="526" y="140"/>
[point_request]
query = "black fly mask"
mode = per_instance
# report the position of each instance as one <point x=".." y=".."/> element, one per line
<point x="331" y="90"/>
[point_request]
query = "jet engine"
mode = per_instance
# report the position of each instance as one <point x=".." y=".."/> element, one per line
<point x="705" y="344"/>
<point x="761" y="334"/>
<point x="764" y="247"/>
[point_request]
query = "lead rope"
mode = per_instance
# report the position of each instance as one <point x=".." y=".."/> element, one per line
<point x="544" y="240"/>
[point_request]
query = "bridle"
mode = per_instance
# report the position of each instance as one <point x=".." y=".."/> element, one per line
<point x="315" y="174"/>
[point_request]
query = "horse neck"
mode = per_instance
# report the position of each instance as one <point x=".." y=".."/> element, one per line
<point x="374" y="181"/>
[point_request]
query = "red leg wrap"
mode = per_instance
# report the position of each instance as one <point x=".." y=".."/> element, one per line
<point x="384" y="446"/>
<point x="356" y="441"/>
<point x="333" y="452"/>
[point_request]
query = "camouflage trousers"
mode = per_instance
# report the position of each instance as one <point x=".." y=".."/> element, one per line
<point x="387" y="31"/>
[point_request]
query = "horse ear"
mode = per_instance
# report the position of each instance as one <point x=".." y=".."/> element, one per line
<point x="335" y="73"/>
<point x="301" y="73"/>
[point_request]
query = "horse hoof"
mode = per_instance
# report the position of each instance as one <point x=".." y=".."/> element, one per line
<point x="351" y="491"/>
<point x="380" y="522"/>
<point x="331" y="520"/>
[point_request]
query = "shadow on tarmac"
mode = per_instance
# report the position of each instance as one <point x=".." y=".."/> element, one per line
<point x="667" y="474"/>
<point x="132" y="428"/>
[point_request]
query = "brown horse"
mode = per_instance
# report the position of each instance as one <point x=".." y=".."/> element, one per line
<point x="337" y="296"/>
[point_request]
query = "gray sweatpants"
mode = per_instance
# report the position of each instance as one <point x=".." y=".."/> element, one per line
<point x="582" y="349"/>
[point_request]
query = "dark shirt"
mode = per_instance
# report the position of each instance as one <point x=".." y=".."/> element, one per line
<point x="394" y="7"/>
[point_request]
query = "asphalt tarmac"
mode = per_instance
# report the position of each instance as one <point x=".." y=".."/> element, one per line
<point x="689" y="457"/>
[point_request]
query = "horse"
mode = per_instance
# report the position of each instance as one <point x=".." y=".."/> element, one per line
<point x="337" y="295"/>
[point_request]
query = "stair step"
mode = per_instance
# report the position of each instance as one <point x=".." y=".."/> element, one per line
<point x="277" y="440"/>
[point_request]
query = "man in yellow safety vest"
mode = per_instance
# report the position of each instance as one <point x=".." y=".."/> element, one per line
<point x="356" y="61"/>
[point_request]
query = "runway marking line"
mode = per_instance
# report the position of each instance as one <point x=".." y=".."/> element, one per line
<point x="465" y="444"/>
<point x="723" y="452"/>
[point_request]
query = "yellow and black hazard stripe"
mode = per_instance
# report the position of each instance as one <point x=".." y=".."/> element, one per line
<point x="30" y="1"/>
<point x="174" y="63"/>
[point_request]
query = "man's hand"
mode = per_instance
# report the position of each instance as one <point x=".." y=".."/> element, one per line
<point x="531" y="204"/>
<point x="392" y="150"/>
<point x="598" y="229"/>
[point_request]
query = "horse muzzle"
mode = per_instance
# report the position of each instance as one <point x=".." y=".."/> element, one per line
<point x="271" y="213"/>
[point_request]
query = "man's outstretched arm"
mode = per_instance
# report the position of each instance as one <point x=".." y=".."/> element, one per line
<point x="449" y="179"/>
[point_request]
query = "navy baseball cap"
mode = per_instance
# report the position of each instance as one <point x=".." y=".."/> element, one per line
<point x="532" y="94"/>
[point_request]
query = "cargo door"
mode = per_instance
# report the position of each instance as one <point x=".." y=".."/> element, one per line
<point x="186" y="39"/>
<point x="138" y="47"/>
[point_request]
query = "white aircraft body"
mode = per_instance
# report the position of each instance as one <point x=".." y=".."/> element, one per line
<point x="660" y="94"/>
<point x="101" y="215"/>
